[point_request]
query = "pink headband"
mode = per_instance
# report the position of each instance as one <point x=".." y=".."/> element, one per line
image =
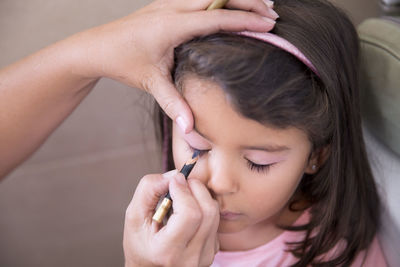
<point x="266" y="37"/>
<point x="282" y="44"/>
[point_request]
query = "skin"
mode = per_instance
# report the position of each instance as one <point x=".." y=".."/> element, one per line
<point x="38" y="92"/>
<point x="251" y="203"/>
<point x="146" y="243"/>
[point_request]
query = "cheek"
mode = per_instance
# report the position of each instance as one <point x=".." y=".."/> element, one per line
<point x="272" y="192"/>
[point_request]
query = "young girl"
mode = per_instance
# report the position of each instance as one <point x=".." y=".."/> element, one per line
<point x="282" y="150"/>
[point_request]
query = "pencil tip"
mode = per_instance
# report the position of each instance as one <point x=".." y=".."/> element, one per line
<point x="196" y="153"/>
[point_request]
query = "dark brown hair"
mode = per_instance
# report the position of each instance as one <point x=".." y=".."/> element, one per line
<point x="271" y="86"/>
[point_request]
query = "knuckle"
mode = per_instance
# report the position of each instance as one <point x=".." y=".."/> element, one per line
<point x="195" y="216"/>
<point x="129" y="214"/>
<point x="216" y="206"/>
<point x="191" y="213"/>
<point x="168" y="104"/>
<point x="147" y="83"/>
<point x="192" y="217"/>
<point x="219" y="12"/>
<point x="146" y="180"/>
<point x="194" y="261"/>
<point x="168" y="259"/>
<point x="210" y="210"/>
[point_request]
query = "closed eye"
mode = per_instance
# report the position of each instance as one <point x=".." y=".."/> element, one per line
<point x="201" y="152"/>
<point x="258" y="167"/>
<point x="251" y="165"/>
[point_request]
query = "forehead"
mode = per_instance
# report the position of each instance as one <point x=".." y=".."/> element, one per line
<point x="220" y="123"/>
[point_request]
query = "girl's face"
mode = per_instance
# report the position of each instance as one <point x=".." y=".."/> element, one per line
<point x="251" y="170"/>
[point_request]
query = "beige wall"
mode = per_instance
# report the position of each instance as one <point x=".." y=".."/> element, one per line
<point x="65" y="206"/>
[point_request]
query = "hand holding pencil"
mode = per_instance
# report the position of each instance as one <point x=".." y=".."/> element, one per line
<point x="188" y="236"/>
<point x="166" y="203"/>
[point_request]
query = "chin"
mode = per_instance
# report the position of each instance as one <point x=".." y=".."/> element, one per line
<point x="230" y="227"/>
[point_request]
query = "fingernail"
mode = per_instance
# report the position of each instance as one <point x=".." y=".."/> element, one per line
<point x="273" y="14"/>
<point x="269" y="4"/>
<point x="181" y="179"/>
<point x="170" y="174"/>
<point x="269" y="20"/>
<point x="182" y="124"/>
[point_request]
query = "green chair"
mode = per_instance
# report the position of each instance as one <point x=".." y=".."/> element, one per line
<point x="380" y="92"/>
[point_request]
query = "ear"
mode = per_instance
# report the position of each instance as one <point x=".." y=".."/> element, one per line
<point x="317" y="159"/>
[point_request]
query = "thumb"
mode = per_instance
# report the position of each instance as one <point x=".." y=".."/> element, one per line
<point x="186" y="217"/>
<point x="148" y="192"/>
<point x="172" y="102"/>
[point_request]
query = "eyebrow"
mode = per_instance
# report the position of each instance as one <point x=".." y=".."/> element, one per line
<point x="268" y="148"/>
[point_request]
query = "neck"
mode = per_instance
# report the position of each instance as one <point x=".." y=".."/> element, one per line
<point x="249" y="238"/>
<point x="259" y="233"/>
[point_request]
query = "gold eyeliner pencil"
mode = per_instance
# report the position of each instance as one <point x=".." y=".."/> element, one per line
<point x="217" y="4"/>
<point x="165" y="205"/>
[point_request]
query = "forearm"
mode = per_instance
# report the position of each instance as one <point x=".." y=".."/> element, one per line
<point x="39" y="92"/>
<point x="36" y="95"/>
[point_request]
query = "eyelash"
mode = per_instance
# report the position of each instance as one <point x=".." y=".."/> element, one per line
<point x="201" y="152"/>
<point x="251" y="165"/>
<point x="258" y="167"/>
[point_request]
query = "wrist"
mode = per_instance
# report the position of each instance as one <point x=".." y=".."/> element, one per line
<point x="80" y="57"/>
<point x="106" y="51"/>
<point x="135" y="263"/>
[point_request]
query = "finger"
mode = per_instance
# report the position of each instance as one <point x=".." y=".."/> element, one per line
<point x="208" y="22"/>
<point x="186" y="217"/>
<point x="147" y="194"/>
<point x="209" y="250"/>
<point x="216" y="246"/>
<point x="260" y="7"/>
<point x="185" y="5"/>
<point x="172" y="102"/>
<point x="257" y="6"/>
<point x="204" y="239"/>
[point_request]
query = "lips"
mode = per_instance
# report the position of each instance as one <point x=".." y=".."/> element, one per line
<point x="229" y="216"/>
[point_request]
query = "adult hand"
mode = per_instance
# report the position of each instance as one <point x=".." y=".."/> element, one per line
<point x="138" y="49"/>
<point x="190" y="236"/>
<point x="38" y="92"/>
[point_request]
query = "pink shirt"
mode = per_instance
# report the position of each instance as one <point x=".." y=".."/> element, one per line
<point x="273" y="253"/>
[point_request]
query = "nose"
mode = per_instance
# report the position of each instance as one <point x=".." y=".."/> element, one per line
<point x="221" y="176"/>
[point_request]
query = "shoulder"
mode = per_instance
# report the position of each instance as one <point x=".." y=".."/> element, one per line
<point x="371" y="257"/>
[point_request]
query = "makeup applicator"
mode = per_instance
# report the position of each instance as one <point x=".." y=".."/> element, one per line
<point x="166" y="203"/>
